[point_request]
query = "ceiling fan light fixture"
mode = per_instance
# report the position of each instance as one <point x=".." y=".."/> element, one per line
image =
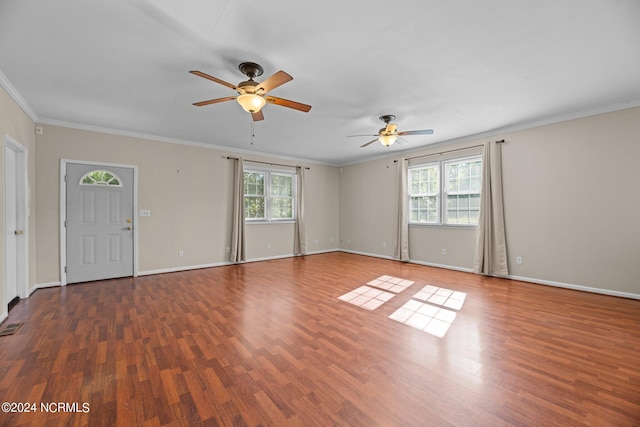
<point x="251" y="103"/>
<point x="387" y="140"/>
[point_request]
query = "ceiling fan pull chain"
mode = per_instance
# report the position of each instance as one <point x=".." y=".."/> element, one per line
<point x="252" y="130"/>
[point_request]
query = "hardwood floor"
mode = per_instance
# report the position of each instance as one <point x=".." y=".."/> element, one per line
<point x="270" y="343"/>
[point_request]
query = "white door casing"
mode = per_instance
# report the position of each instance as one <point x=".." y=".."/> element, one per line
<point x="16" y="252"/>
<point x="99" y="227"/>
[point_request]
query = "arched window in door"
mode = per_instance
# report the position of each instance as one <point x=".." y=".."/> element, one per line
<point x="101" y="177"/>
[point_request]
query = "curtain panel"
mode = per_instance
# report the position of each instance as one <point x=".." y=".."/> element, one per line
<point x="491" y="248"/>
<point x="300" y="231"/>
<point x="237" y="226"/>
<point x="401" y="251"/>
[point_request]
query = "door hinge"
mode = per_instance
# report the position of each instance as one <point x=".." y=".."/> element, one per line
<point x="65" y="268"/>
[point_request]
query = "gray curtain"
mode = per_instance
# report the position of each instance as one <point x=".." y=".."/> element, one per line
<point x="237" y="229"/>
<point x="491" y="248"/>
<point x="402" y="227"/>
<point x="300" y="232"/>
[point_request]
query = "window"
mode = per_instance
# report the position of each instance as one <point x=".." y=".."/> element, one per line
<point x="101" y="177"/>
<point x="445" y="192"/>
<point x="269" y="195"/>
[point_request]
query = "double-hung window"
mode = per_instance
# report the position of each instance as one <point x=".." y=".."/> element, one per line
<point x="269" y="195"/>
<point x="445" y="192"/>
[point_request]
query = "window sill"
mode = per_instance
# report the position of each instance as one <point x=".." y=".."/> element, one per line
<point x="457" y="226"/>
<point x="282" y="221"/>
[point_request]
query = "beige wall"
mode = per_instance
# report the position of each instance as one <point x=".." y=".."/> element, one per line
<point x="571" y="205"/>
<point x="15" y="123"/>
<point x="571" y="202"/>
<point x="187" y="190"/>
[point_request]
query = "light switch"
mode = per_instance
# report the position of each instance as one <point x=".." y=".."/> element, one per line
<point x="145" y="212"/>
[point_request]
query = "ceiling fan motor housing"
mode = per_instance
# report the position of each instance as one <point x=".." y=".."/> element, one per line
<point x="251" y="69"/>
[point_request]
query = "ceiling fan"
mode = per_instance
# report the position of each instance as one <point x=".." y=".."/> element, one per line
<point x="389" y="134"/>
<point x="251" y="94"/>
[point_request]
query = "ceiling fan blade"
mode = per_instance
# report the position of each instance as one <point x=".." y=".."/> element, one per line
<point x="369" y="143"/>
<point x="417" y="132"/>
<point x="349" y="136"/>
<point x="257" y="116"/>
<point x="213" y="79"/>
<point x="286" y="103"/>
<point x="213" y="101"/>
<point x="274" y="81"/>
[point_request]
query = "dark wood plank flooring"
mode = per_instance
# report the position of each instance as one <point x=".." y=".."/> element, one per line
<point x="269" y="343"/>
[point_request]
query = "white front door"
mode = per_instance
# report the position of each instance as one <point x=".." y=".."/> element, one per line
<point x="99" y="222"/>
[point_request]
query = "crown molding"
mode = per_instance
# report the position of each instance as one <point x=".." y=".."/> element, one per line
<point x="498" y="132"/>
<point x="130" y="134"/>
<point x="17" y="98"/>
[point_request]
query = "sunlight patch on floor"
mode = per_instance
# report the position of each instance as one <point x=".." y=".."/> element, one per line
<point x="367" y="297"/>
<point x="378" y="291"/>
<point x="431" y="316"/>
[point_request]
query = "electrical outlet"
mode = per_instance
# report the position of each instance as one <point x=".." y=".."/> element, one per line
<point x="443" y="251"/>
<point x="268" y="245"/>
<point x="384" y="244"/>
<point x="180" y="253"/>
<point x="228" y="250"/>
<point x="316" y="241"/>
<point x="518" y="260"/>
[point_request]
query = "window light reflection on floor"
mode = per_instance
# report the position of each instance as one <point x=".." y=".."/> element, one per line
<point x="379" y="291"/>
<point x="367" y="297"/>
<point x="431" y="316"/>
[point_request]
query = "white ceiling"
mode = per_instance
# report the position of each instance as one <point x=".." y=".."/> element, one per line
<point x="461" y="68"/>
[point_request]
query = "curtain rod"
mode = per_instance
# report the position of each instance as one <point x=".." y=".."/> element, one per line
<point x="448" y="151"/>
<point x="267" y="163"/>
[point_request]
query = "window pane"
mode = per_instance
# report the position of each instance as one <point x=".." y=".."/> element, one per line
<point x="253" y="207"/>
<point x="463" y="186"/>
<point x="281" y="185"/>
<point x="281" y="208"/>
<point x="268" y="195"/>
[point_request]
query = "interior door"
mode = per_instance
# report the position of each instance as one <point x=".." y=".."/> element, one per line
<point x="11" y="232"/>
<point x="99" y="222"/>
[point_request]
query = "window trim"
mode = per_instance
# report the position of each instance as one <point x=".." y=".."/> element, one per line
<point x="442" y="191"/>
<point x="267" y="195"/>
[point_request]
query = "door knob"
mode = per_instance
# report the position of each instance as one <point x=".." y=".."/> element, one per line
<point x="129" y="228"/>
<point x="18" y="232"/>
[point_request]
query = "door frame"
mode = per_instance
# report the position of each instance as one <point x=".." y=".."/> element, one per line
<point x="63" y="211"/>
<point x="22" y="218"/>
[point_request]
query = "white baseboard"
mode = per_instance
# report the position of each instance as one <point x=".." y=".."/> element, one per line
<point x="3" y="316"/>
<point x="221" y="264"/>
<point x="448" y="267"/>
<point x="184" y="268"/>
<point x="324" y="251"/>
<point x="349" y="251"/>
<point x="520" y="278"/>
<point x="428" y="264"/>
<point x="576" y="287"/>
<point x="43" y="285"/>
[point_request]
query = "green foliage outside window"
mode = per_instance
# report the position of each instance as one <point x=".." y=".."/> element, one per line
<point x="268" y="195"/>
<point x="460" y="192"/>
<point x="254" y="195"/>
<point x="100" y="177"/>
